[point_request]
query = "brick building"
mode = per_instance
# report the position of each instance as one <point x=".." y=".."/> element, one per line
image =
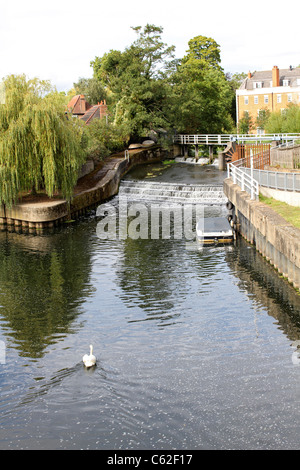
<point x="80" y="108"/>
<point x="78" y="105"/>
<point x="271" y="90"/>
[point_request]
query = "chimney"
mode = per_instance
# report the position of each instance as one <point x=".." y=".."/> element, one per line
<point x="249" y="74"/>
<point x="103" y="109"/>
<point x="275" y="76"/>
<point x="82" y="104"/>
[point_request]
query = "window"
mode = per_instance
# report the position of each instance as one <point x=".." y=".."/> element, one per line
<point x="246" y="100"/>
<point x="266" y="99"/>
<point x="285" y="82"/>
<point x="255" y="99"/>
<point x="278" y="98"/>
<point x="298" y="81"/>
<point x="257" y="85"/>
<point x="289" y="97"/>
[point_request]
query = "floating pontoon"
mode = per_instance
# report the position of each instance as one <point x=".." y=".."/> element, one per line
<point x="213" y="230"/>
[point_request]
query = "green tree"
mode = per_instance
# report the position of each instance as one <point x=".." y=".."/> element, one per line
<point x="39" y="146"/>
<point x="135" y="79"/>
<point x="104" y="138"/>
<point x="235" y="80"/>
<point x="262" y="118"/>
<point x="201" y="94"/>
<point x="205" y="50"/>
<point x="287" y="120"/>
<point x="92" y="89"/>
<point x="245" y="124"/>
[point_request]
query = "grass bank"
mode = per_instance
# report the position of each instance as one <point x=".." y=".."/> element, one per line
<point x="290" y="213"/>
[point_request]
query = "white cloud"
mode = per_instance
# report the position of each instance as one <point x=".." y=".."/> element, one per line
<point x="57" y="40"/>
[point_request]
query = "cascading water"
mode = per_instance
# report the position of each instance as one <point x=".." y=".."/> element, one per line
<point x="137" y="190"/>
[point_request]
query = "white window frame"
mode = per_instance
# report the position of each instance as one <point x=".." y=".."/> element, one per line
<point x="246" y="100"/>
<point x="256" y="99"/>
<point x="257" y="84"/>
<point x="266" y="99"/>
<point x="278" y="98"/>
<point x="285" y="82"/>
<point x="289" y="97"/>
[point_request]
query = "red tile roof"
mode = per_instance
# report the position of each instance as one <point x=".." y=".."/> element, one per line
<point x="78" y="105"/>
<point x="98" y="111"/>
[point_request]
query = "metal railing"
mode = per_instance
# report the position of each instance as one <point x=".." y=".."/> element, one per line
<point x="276" y="179"/>
<point x="223" y="139"/>
<point x="249" y="176"/>
<point x="245" y="181"/>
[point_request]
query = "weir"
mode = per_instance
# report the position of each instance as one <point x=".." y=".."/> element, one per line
<point x="207" y="194"/>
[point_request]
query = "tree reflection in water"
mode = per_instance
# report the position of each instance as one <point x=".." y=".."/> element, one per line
<point x="43" y="280"/>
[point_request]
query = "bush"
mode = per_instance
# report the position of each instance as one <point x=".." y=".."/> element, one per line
<point x="286" y="121"/>
<point x="103" y="138"/>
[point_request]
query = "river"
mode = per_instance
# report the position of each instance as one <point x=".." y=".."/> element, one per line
<point x="196" y="348"/>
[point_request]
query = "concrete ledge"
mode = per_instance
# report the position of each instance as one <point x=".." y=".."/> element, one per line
<point x="273" y="236"/>
<point x="103" y="183"/>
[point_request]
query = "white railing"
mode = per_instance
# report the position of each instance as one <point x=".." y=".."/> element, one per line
<point x="243" y="179"/>
<point x="249" y="179"/>
<point x="276" y="179"/>
<point x="223" y="139"/>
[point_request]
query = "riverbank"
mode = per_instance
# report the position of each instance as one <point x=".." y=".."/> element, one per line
<point x="39" y="212"/>
<point x="275" y="238"/>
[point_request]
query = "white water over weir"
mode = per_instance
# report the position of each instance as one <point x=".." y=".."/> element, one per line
<point x="207" y="194"/>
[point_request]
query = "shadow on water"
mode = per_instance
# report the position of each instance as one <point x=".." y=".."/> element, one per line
<point x="265" y="286"/>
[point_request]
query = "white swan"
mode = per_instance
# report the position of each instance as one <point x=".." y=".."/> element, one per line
<point x="89" y="360"/>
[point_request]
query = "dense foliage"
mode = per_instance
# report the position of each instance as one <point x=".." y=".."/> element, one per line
<point x="201" y="93"/>
<point x="147" y="88"/>
<point x="287" y="120"/>
<point x="135" y="81"/>
<point x="39" y="146"/>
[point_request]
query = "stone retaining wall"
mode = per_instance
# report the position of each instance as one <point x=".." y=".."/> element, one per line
<point x="276" y="239"/>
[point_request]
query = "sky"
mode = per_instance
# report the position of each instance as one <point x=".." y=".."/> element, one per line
<point x="57" y="39"/>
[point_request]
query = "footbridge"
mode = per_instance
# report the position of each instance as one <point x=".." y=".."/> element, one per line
<point x="211" y="140"/>
<point x="223" y="139"/>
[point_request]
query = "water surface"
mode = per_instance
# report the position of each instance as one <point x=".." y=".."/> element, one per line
<point x="196" y="349"/>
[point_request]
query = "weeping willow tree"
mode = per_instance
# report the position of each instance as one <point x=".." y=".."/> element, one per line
<point x="40" y="146"/>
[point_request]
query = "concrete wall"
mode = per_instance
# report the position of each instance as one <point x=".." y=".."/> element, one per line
<point x="285" y="157"/>
<point x="272" y="235"/>
<point x="290" y="197"/>
<point x="38" y="215"/>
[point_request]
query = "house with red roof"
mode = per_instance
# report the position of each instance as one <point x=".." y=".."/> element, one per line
<point x="80" y="108"/>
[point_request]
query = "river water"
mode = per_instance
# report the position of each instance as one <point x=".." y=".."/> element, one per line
<point x="196" y="349"/>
